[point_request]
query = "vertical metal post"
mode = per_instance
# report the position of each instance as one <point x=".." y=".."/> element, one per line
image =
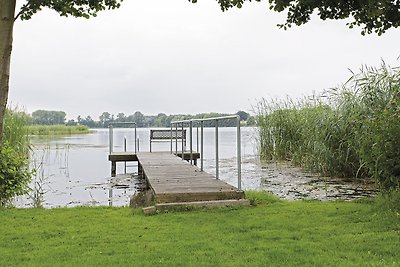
<point x="176" y="139"/>
<point x="191" y="141"/>
<point x="182" y="143"/>
<point x="197" y="138"/>
<point x="125" y="151"/>
<point x="171" y="139"/>
<point x="110" y="136"/>
<point x="150" y="139"/>
<point x="216" y="151"/>
<point x="201" y="146"/>
<point x="239" y="160"/>
<point x="136" y="149"/>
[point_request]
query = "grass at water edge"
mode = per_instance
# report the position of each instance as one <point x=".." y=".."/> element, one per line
<point x="57" y="129"/>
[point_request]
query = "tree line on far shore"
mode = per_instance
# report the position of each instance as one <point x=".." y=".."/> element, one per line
<point x="50" y="117"/>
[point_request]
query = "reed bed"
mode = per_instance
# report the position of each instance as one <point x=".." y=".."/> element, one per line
<point x="57" y="129"/>
<point x="15" y="130"/>
<point x="350" y="131"/>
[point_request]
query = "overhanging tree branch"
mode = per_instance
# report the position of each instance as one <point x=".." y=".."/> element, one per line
<point x="372" y="16"/>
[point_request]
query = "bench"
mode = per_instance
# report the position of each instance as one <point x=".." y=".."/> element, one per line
<point x="160" y="135"/>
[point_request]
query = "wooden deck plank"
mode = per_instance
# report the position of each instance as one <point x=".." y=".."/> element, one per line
<point x="131" y="156"/>
<point x="175" y="180"/>
<point x="122" y="156"/>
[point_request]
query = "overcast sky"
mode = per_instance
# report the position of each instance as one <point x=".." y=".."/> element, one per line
<point x="176" y="57"/>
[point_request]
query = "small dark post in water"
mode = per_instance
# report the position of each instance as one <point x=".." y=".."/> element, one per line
<point x="140" y="170"/>
<point x="113" y="168"/>
<point x="110" y="197"/>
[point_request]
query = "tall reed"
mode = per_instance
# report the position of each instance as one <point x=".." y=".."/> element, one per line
<point x="15" y="130"/>
<point x="349" y="131"/>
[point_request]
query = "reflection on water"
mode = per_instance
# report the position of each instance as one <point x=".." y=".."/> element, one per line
<point x="74" y="170"/>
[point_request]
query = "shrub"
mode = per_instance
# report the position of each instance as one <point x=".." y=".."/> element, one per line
<point x="14" y="174"/>
<point x="14" y="157"/>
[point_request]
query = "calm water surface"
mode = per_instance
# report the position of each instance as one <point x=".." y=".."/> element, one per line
<point x="74" y="170"/>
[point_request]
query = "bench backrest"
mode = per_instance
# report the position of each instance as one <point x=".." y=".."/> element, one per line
<point x="166" y="134"/>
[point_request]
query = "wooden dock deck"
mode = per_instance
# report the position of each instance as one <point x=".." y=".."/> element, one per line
<point x="173" y="180"/>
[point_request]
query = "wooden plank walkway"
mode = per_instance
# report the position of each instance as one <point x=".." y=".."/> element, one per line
<point x="174" y="180"/>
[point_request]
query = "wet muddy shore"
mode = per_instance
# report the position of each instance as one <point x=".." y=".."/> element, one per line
<point x="289" y="182"/>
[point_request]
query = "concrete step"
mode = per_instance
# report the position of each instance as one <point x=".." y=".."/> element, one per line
<point x="181" y="206"/>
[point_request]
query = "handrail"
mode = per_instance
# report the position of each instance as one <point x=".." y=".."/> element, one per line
<point x="216" y="119"/>
<point x="208" y="119"/>
<point x="111" y="134"/>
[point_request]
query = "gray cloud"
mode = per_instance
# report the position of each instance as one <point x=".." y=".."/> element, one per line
<point x="176" y="57"/>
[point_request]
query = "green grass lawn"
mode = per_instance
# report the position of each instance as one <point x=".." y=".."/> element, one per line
<point x="273" y="233"/>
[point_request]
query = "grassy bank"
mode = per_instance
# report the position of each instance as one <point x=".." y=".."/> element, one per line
<point x="57" y="129"/>
<point x="274" y="233"/>
<point x="351" y="131"/>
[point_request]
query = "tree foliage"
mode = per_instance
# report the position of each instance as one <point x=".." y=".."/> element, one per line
<point x="48" y="117"/>
<point x="75" y="8"/>
<point x="105" y="118"/>
<point x="160" y="120"/>
<point x="243" y="115"/>
<point x="372" y="16"/>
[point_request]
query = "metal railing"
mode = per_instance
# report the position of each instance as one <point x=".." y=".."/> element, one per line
<point x="111" y="135"/>
<point x="182" y="123"/>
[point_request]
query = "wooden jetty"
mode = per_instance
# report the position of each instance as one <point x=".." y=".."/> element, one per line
<point x="174" y="181"/>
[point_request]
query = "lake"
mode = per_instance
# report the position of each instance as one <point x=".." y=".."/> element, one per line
<point x="74" y="170"/>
